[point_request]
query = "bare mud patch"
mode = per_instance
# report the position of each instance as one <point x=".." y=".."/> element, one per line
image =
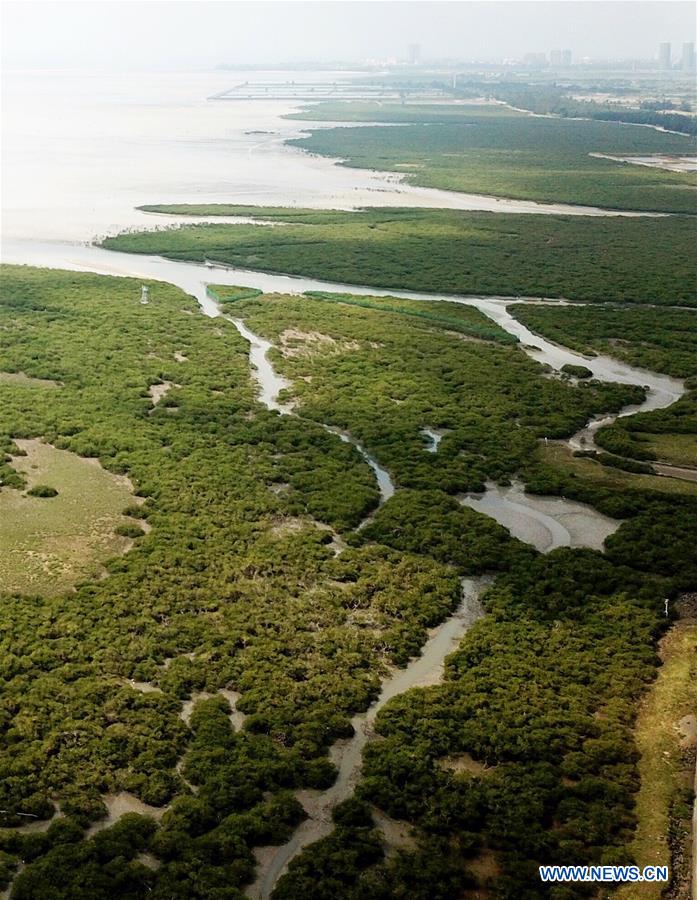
<point x="464" y="764"/>
<point x="119" y="804"/>
<point x="294" y="343"/>
<point x="160" y="390"/>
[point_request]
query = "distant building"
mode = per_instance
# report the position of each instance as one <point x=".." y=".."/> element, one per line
<point x="566" y="57"/>
<point x="664" y="61"/>
<point x="555" y="58"/>
<point x="414" y="54"/>
<point x="687" y="63"/>
<point x="535" y="60"/>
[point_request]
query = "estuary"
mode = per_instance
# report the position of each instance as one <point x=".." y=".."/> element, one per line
<point x="161" y="140"/>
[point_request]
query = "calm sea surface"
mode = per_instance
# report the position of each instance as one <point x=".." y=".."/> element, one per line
<point x="81" y="151"/>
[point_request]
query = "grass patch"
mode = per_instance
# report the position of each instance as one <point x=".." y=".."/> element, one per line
<point x="664" y="767"/>
<point x="25" y="380"/>
<point x="674" y="449"/>
<point x="560" y="457"/>
<point x="407" y="113"/>
<point x="48" y="546"/>
<point x="228" y="294"/>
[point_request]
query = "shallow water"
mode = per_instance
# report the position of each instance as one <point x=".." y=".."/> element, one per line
<point x="81" y="153"/>
<point x="657" y="161"/>
<point x="382" y="476"/>
<point x="434" y="438"/>
<point x="270" y="382"/>
<point x="193" y="278"/>
<point x="544" y="522"/>
<point x="663" y="390"/>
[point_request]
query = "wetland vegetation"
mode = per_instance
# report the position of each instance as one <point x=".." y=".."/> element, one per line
<point x="597" y="260"/>
<point x="235" y="586"/>
<point x="584" y="98"/>
<point x="494" y="151"/>
<point x="227" y="562"/>
<point x="458" y="839"/>
<point x="663" y="340"/>
<point x="559" y="100"/>
<point x="409" y="371"/>
<point x="260" y="589"/>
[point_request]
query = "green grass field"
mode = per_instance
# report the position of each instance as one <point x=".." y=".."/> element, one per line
<point x="676" y="449"/>
<point x="597" y="476"/>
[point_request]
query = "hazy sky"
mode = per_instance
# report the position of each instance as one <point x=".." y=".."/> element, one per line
<point x="139" y="34"/>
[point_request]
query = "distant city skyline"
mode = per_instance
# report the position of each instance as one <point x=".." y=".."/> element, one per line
<point x="681" y="56"/>
<point x="132" y="35"/>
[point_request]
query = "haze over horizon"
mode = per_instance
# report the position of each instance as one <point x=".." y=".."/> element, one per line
<point x="179" y="35"/>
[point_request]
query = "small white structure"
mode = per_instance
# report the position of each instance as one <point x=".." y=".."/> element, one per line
<point x="144" y="296"/>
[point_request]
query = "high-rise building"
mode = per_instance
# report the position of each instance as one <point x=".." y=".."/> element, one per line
<point x="687" y="62"/>
<point x="566" y="57"/>
<point x="664" y="62"/>
<point x="555" y="58"/>
<point x="414" y="53"/>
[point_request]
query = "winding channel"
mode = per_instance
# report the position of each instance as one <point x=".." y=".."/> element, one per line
<point x="347" y="754"/>
<point x="546" y="522"/>
<point x="528" y="517"/>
